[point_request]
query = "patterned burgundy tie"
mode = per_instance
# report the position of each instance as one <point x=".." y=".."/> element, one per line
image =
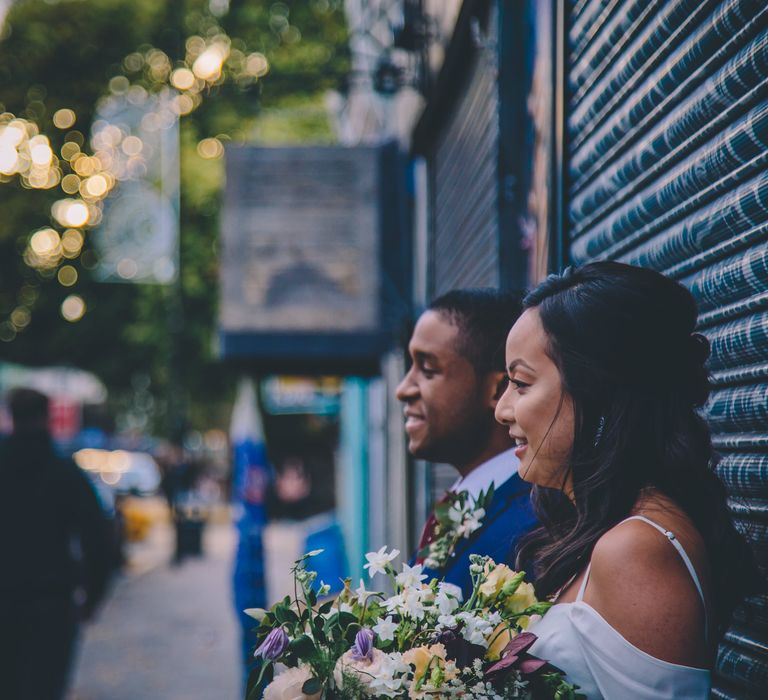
<point x="430" y="528"/>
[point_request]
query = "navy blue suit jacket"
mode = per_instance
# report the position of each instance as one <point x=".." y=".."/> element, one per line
<point x="509" y="516"/>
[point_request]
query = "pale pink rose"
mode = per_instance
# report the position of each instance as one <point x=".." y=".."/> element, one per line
<point x="287" y="685"/>
<point x="363" y="669"/>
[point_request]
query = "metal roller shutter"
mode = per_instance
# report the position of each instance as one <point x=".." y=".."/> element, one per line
<point x="666" y="130"/>
<point x="465" y="184"/>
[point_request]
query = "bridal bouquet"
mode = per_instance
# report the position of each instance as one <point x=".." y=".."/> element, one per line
<point x="422" y="641"/>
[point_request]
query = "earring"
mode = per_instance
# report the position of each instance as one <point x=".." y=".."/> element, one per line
<point x="599" y="432"/>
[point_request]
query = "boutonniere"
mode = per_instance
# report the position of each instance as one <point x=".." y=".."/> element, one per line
<point x="457" y="516"/>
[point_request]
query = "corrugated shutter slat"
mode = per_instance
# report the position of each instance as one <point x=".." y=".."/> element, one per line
<point x="465" y="185"/>
<point x="639" y="111"/>
<point x="667" y="167"/>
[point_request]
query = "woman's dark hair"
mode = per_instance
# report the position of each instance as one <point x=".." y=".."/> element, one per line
<point x="624" y="341"/>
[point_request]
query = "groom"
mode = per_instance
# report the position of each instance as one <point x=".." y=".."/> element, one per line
<point x="450" y="392"/>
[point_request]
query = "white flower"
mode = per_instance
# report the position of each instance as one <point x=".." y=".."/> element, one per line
<point x="456" y="514"/>
<point x="385" y="629"/>
<point x="362" y="594"/>
<point x="451" y="589"/>
<point x="445" y="600"/>
<point x="324" y="589"/>
<point x="388" y="681"/>
<point x="345" y="607"/>
<point x="494" y="618"/>
<point x="256" y="613"/>
<point x="394" y="604"/>
<point x="411" y="576"/>
<point x="472" y="522"/>
<point x="377" y="561"/>
<point x="446" y="622"/>
<point x="413" y="603"/>
<point x="475" y="629"/>
<point x="425" y="593"/>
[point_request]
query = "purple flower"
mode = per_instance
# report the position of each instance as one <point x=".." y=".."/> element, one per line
<point x="274" y="645"/>
<point x="363" y="646"/>
<point x="515" y="656"/>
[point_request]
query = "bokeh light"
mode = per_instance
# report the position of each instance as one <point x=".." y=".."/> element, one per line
<point x="44" y="242"/>
<point x="72" y="243"/>
<point x="257" y="65"/>
<point x="69" y="150"/>
<point x="127" y="268"/>
<point x="40" y="151"/>
<point x="210" y="148"/>
<point x="67" y="275"/>
<point x="7" y="332"/>
<point x="70" y="183"/>
<point x="73" y="308"/>
<point x="71" y="212"/>
<point x="132" y="145"/>
<point x="64" y="118"/>
<point x="208" y="64"/>
<point x="87" y="172"/>
<point x="20" y="317"/>
<point x="182" y="79"/>
<point x="94" y="186"/>
<point x="119" y="85"/>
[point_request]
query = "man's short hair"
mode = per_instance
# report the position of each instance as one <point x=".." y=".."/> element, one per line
<point x="483" y="316"/>
<point x="29" y="409"/>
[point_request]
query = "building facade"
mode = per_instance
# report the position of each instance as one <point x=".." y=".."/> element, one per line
<point x="557" y="132"/>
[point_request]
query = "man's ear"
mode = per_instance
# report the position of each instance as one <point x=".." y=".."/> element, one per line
<point x="497" y="384"/>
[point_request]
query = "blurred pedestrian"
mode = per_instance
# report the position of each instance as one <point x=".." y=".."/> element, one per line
<point x="58" y="553"/>
<point x="181" y="479"/>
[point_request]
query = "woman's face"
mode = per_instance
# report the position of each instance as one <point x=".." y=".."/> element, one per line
<point x="535" y="408"/>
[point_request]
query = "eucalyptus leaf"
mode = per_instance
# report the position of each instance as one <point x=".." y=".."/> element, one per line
<point x="312" y="686"/>
<point x="301" y="646"/>
<point x="345" y="619"/>
<point x="325" y="608"/>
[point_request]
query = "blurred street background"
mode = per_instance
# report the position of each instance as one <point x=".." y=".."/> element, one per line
<point x="183" y="645"/>
<point x="218" y="220"/>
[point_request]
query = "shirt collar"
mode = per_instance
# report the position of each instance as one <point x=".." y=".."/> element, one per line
<point x="497" y="470"/>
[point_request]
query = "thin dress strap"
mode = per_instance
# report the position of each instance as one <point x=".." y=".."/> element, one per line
<point x="583" y="587"/>
<point x="686" y="560"/>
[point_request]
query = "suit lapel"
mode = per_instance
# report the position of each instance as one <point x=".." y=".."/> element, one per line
<point x="510" y="491"/>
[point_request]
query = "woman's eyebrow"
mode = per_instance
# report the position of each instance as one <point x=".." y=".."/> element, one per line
<point x="519" y="362"/>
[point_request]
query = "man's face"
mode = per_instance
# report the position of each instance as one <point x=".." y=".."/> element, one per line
<point x="448" y="411"/>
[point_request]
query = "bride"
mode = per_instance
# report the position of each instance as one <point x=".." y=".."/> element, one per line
<point x="636" y="546"/>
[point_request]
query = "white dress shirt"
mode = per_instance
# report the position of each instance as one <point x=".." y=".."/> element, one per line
<point x="497" y="470"/>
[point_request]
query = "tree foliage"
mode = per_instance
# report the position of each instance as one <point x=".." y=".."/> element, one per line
<point x="63" y="54"/>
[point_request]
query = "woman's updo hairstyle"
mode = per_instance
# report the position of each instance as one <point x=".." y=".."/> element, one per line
<point x="636" y="324"/>
<point x="624" y="341"/>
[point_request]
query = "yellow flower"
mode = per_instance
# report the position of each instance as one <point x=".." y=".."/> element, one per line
<point x="422" y="659"/>
<point x="521" y="599"/>
<point x="499" y="639"/>
<point x="526" y="621"/>
<point x="495" y="581"/>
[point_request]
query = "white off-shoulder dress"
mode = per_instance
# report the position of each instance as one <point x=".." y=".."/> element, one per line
<point x="578" y="640"/>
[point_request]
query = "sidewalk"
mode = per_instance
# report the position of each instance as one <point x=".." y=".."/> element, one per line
<point x="166" y="633"/>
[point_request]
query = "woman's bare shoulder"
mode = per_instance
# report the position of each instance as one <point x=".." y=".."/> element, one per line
<point x="641" y="586"/>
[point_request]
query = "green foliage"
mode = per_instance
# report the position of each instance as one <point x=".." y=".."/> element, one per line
<point x="63" y="54"/>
